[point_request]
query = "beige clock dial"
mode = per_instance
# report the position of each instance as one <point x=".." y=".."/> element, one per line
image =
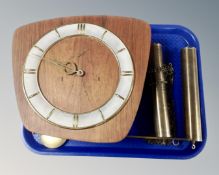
<point x="78" y="76"/>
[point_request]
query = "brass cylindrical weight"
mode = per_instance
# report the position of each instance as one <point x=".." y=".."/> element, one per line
<point x="191" y="94"/>
<point x="161" y="113"/>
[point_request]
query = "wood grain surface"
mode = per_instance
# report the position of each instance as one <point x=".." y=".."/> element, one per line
<point x="136" y="36"/>
<point x="79" y="94"/>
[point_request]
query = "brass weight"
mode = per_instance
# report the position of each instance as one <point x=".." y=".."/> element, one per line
<point x="191" y="94"/>
<point x="161" y="113"/>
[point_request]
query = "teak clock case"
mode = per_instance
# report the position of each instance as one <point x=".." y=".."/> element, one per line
<point x="135" y="34"/>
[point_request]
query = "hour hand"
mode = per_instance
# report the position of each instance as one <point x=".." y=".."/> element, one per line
<point x="68" y="67"/>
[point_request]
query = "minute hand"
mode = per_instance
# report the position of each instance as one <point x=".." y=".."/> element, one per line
<point x="57" y="63"/>
<point x="68" y="70"/>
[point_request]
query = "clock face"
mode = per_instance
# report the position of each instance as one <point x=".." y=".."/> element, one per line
<point x="78" y="76"/>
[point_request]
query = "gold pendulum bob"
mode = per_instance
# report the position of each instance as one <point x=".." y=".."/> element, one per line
<point x="51" y="142"/>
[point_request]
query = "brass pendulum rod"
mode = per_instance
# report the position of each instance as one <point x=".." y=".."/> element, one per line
<point x="173" y="140"/>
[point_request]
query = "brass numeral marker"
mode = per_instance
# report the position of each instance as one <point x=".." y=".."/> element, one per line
<point x="33" y="95"/>
<point x="33" y="54"/>
<point x="75" y="121"/>
<point x="127" y="73"/>
<point x="50" y="113"/>
<point x="121" y="97"/>
<point x="39" y="49"/>
<point x="102" y="114"/>
<point x="104" y="33"/>
<point x="58" y="33"/>
<point x="120" y="50"/>
<point x="30" y="71"/>
<point x="81" y="28"/>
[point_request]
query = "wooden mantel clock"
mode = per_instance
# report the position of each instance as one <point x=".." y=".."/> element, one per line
<point x="81" y="77"/>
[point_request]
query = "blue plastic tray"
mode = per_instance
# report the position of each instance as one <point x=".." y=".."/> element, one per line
<point x="173" y="38"/>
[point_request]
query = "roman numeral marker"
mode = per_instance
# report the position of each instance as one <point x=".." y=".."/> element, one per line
<point x="120" y="50"/>
<point x="127" y="73"/>
<point x="121" y="97"/>
<point x="104" y="33"/>
<point x="58" y="33"/>
<point x="102" y="114"/>
<point x="33" y="54"/>
<point x="39" y="49"/>
<point x="81" y="28"/>
<point x="75" y="121"/>
<point x="30" y="71"/>
<point x="50" y="113"/>
<point x="33" y="95"/>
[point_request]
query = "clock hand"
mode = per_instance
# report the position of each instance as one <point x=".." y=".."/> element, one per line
<point x="78" y="72"/>
<point x="66" y="67"/>
<point x="56" y="63"/>
<point x="68" y="70"/>
<point x="79" y="55"/>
